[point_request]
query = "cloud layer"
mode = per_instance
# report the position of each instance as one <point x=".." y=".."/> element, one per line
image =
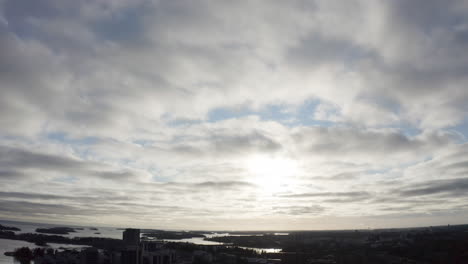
<point x="213" y="114"/>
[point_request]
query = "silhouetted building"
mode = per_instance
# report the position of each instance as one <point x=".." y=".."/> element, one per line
<point x="164" y="256"/>
<point x="131" y="237"/>
<point x="90" y="256"/>
<point x="200" y="256"/>
<point x="129" y="256"/>
<point x="115" y="257"/>
<point x="149" y="246"/>
<point x="152" y="252"/>
<point x="131" y="252"/>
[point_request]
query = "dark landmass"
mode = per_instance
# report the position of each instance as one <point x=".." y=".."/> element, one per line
<point x="426" y="245"/>
<point x="56" y="230"/>
<point x="190" y="247"/>
<point x="442" y="244"/>
<point x="93" y="228"/>
<point x="26" y="255"/>
<point x="248" y="233"/>
<point x="23" y="255"/>
<point x="97" y="233"/>
<point x="185" y="253"/>
<point x="160" y="234"/>
<point x="447" y="244"/>
<point x="41" y="243"/>
<point x="265" y="241"/>
<point x="98" y="242"/>
<point x="9" y="228"/>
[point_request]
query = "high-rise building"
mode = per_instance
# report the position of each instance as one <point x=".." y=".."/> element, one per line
<point x="129" y="256"/>
<point x="90" y="256"/>
<point x="131" y="237"/>
<point x="131" y="252"/>
<point x="161" y="256"/>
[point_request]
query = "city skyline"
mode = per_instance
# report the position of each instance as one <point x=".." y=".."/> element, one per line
<point x="234" y="115"/>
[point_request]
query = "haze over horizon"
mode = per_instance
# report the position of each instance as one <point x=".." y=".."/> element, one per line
<point x="234" y="115"/>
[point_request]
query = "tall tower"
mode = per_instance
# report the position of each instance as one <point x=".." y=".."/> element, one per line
<point x="131" y="237"/>
<point x="131" y="253"/>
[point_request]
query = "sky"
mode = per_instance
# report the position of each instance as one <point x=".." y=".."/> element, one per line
<point x="234" y="115"/>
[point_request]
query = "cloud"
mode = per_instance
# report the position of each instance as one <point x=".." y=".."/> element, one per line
<point x="363" y="146"/>
<point x="452" y="187"/>
<point x="223" y="185"/>
<point x="12" y="157"/>
<point x="326" y="194"/>
<point x="163" y="61"/>
<point x="11" y="174"/>
<point x="222" y="143"/>
<point x="23" y="163"/>
<point x="299" y="210"/>
<point x="114" y="101"/>
<point x="38" y="208"/>
<point x="32" y="196"/>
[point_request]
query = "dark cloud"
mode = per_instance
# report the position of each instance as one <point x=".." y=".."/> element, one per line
<point x="223" y="185"/>
<point x="398" y="208"/>
<point x="180" y="188"/>
<point x="33" y="208"/>
<point x="19" y="158"/>
<point x="333" y="197"/>
<point x="72" y="197"/>
<point x="245" y="143"/>
<point x="326" y="194"/>
<point x="32" y="196"/>
<point x="299" y="210"/>
<point x="317" y="49"/>
<point x="226" y="143"/>
<point x="452" y="187"/>
<point x="115" y="175"/>
<point x="462" y="165"/>
<point x="389" y="145"/>
<point x="340" y="176"/>
<point x="21" y="163"/>
<point x="10" y="174"/>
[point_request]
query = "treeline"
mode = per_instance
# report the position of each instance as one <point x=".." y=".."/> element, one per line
<point x="214" y="249"/>
<point x="161" y="234"/>
<point x="9" y="228"/>
<point x="265" y="241"/>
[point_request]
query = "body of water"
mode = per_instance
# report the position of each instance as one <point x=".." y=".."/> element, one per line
<point x="88" y="231"/>
<point x="81" y="231"/>
<point x="200" y="241"/>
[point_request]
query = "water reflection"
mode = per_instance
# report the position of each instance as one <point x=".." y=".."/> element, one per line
<point x="201" y="241"/>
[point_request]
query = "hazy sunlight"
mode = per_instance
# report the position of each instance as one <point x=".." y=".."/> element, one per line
<point x="272" y="174"/>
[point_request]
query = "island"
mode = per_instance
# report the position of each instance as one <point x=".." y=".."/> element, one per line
<point x="8" y="228"/>
<point x="56" y="230"/>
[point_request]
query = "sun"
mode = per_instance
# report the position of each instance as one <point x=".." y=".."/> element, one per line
<point x="271" y="174"/>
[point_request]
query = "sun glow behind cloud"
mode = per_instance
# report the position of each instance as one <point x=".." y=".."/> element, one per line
<point x="272" y="174"/>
